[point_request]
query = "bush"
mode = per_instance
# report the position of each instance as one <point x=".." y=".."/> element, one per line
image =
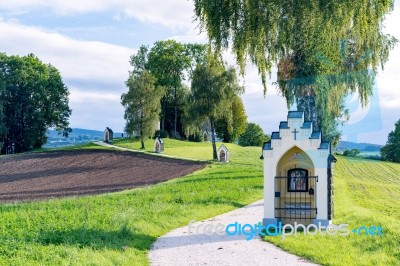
<point x="351" y="153"/>
<point x="253" y="136"/>
<point x="161" y="134"/>
<point x="196" y="138"/>
<point x="175" y="134"/>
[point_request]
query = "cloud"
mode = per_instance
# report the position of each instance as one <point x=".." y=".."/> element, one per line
<point x="94" y="71"/>
<point x="96" y="63"/>
<point x="169" y="13"/>
<point x="93" y="110"/>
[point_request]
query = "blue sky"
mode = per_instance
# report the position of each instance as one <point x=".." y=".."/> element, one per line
<point x="90" y="42"/>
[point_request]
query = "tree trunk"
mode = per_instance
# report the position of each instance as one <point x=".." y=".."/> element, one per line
<point x="306" y="103"/>
<point x="176" y="114"/>
<point x="141" y="139"/>
<point x="163" y="112"/>
<point x="215" y="157"/>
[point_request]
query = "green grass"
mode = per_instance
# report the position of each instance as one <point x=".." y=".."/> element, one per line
<point x="367" y="193"/>
<point x="119" y="228"/>
<point x="184" y="149"/>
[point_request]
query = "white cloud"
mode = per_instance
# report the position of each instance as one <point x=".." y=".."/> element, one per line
<point x="95" y="110"/>
<point x="169" y="13"/>
<point x="77" y="96"/>
<point x="77" y="60"/>
<point x="94" y="71"/>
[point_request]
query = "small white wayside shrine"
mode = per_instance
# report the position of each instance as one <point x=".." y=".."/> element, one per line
<point x="223" y="153"/>
<point x="158" y="145"/>
<point x="108" y="135"/>
<point x="297" y="175"/>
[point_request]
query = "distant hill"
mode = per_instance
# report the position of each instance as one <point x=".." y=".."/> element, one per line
<point x="80" y="135"/>
<point x="363" y="147"/>
<point x="77" y="136"/>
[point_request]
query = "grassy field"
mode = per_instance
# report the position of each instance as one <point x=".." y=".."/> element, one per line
<point x="119" y="228"/>
<point x="184" y="149"/>
<point x="367" y="193"/>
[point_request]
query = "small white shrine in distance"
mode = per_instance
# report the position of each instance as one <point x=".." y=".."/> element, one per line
<point x="223" y="153"/>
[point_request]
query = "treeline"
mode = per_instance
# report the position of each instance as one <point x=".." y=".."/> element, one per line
<point x="158" y="93"/>
<point x="391" y="151"/>
<point x="33" y="98"/>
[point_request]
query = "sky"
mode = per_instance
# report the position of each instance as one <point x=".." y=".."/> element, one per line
<point x="90" y="42"/>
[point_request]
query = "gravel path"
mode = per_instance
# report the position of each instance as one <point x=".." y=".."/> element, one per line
<point x="179" y="247"/>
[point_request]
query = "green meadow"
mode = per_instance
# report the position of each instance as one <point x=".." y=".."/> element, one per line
<point x="366" y="193"/>
<point x="119" y="228"/>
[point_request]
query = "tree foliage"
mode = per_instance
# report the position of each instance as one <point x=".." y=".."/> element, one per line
<point x="352" y="153"/>
<point x="253" y="136"/>
<point x="142" y="104"/>
<point x="34" y="98"/>
<point x="212" y="90"/>
<point x="323" y="49"/>
<point x="167" y="61"/>
<point x="170" y="62"/>
<point x="391" y="151"/>
<point x="3" y="129"/>
<point x="234" y="121"/>
<point x="139" y="61"/>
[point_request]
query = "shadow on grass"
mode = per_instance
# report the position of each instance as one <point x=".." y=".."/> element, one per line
<point x="212" y="177"/>
<point x="219" y="201"/>
<point x="97" y="239"/>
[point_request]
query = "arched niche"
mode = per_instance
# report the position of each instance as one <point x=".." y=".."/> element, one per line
<point x="294" y="158"/>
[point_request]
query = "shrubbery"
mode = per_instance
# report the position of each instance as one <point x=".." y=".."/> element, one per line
<point x="161" y="133"/>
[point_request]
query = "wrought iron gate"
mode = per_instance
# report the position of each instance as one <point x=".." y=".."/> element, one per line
<point x="295" y="197"/>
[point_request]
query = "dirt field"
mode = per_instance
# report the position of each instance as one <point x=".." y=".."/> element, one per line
<point x="83" y="172"/>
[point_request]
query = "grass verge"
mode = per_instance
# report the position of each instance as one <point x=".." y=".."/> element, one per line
<point x="119" y="228"/>
<point x="367" y="193"/>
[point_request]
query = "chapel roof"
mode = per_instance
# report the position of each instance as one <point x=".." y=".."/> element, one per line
<point x="295" y="114"/>
<point x="306" y="124"/>
<point x="283" y="125"/>
<point x="267" y="145"/>
<point x="315" y="135"/>
<point x="324" y="145"/>
<point x="275" y="135"/>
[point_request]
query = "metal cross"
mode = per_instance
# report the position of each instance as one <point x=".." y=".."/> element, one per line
<point x="295" y="132"/>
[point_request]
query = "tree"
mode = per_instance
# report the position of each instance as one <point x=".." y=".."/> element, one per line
<point x="139" y="61"/>
<point x="391" y="151"/>
<point x="34" y="99"/>
<point x="234" y="121"/>
<point x="3" y="129"/>
<point x="167" y="61"/>
<point x="212" y="89"/>
<point x="253" y="136"/>
<point x="197" y="54"/>
<point x="351" y="153"/>
<point x="142" y="105"/>
<point x="324" y="50"/>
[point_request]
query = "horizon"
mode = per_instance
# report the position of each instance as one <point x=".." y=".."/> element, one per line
<point x="119" y="132"/>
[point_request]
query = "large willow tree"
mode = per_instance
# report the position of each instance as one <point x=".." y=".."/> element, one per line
<point x="324" y="50"/>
